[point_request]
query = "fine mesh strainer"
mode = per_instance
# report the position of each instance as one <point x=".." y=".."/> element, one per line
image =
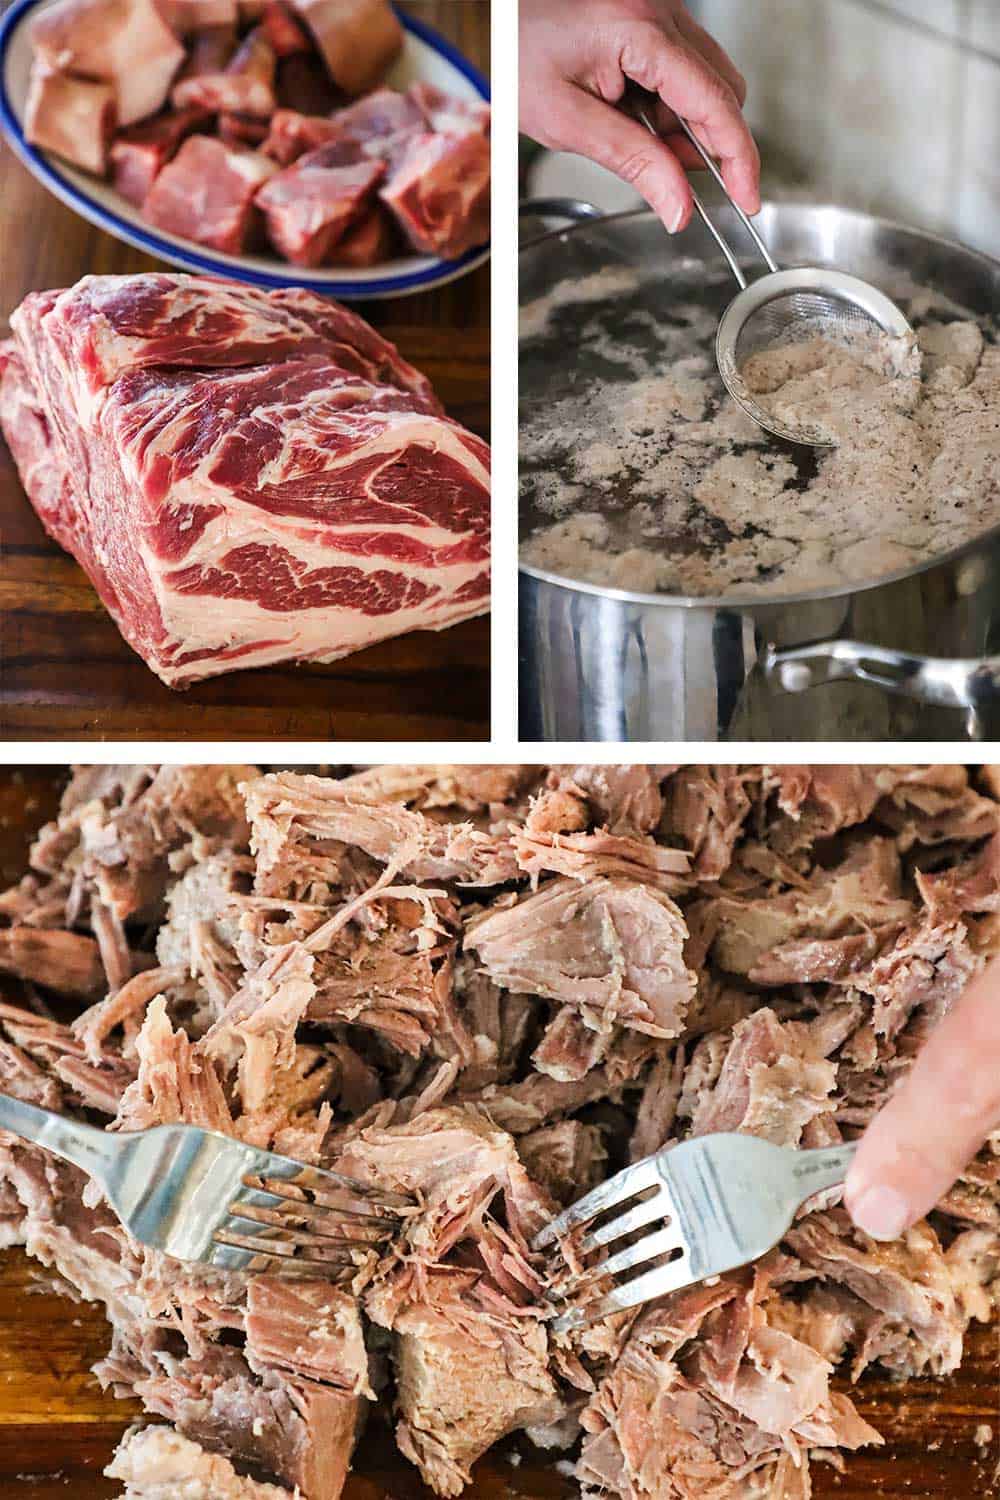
<point x="786" y="307"/>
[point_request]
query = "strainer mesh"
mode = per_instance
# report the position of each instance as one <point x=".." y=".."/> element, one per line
<point x="792" y="317"/>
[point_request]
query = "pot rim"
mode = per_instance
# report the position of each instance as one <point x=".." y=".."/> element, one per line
<point x="759" y="603"/>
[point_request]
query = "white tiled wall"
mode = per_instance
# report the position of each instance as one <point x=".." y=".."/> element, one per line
<point x="984" y="25"/>
<point x="889" y="105"/>
<point x="779" y="45"/>
<point x="943" y="15"/>
<point x="977" y="217"/>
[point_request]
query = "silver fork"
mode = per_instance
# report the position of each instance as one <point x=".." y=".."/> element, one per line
<point x="722" y="1200"/>
<point x="201" y="1196"/>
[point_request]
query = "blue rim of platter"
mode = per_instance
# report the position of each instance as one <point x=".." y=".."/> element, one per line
<point x="187" y="255"/>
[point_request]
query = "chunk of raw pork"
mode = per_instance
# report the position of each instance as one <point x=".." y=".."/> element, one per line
<point x="123" y="42"/>
<point x="242" y="130"/>
<point x="440" y="193"/>
<point x="211" y="50"/>
<point x="247" y="477"/>
<point x="369" y="243"/>
<point x="291" y="135"/>
<point x="73" y="117"/>
<point x="310" y="206"/>
<point x="447" y="114"/>
<point x="138" y="155"/>
<point x="358" y="39"/>
<point x="188" y="17"/>
<point x="243" y="84"/>
<point x="283" y="30"/>
<point x="304" y="84"/>
<point x="207" y="194"/>
<point x="381" y="124"/>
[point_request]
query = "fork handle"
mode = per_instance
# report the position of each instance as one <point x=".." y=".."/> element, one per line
<point x="821" y="1167"/>
<point x="89" y="1149"/>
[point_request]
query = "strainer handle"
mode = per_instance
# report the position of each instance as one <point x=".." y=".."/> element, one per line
<point x="744" y="219"/>
<point x="642" y="114"/>
<point x="720" y="240"/>
<point x="939" y="681"/>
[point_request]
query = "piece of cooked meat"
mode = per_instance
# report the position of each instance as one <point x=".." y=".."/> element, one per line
<point x="609" y="946"/>
<point x="157" y="1463"/>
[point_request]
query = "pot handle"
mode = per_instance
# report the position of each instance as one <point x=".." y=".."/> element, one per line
<point x="575" y="209"/>
<point x="941" y="681"/>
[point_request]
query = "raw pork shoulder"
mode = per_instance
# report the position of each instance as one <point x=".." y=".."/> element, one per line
<point x="247" y="477"/>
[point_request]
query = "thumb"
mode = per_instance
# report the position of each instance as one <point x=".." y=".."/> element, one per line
<point x="580" y="122"/>
<point x="935" y="1122"/>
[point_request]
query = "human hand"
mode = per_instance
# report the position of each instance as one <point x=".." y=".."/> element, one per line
<point x="936" y="1121"/>
<point x="576" y="57"/>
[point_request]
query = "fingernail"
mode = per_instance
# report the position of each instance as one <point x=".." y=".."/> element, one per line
<point x="881" y="1212"/>
<point x="675" y="223"/>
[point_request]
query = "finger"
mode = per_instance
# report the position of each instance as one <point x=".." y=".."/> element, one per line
<point x="936" y="1121"/>
<point x="673" y="69"/>
<point x="684" y="152"/>
<point x="579" y="122"/>
<point x="673" y="137"/>
<point x="716" y="57"/>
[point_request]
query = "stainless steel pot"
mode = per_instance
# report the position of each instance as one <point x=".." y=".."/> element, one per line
<point x="914" y="655"/>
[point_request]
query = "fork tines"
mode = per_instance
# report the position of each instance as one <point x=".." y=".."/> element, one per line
<point x="621" y="1188"/>
<point x="285" y="1175"/>
<point x="234" y="1253"/>
<point x="314" y="1218"/>
<point x="285" y="1245"/>
<point x="340" y="1196"/>
<point x="658" y="1257"/>
<point x="300" y="1220"/>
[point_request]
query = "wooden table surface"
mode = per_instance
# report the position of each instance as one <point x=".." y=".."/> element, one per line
<point x="66" y="673"/>
<point x="58" y="1428"/>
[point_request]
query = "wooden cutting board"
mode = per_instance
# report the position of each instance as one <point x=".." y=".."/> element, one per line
<point x="66" y="673"/>
<point x="59" y="1429"/>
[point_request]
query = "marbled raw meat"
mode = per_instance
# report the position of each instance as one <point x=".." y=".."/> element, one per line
<point x="248" y="477"/>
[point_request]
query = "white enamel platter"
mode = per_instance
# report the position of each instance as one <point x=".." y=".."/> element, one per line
<point x="425" y="56"/>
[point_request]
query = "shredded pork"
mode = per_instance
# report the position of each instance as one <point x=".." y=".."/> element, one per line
<point x="489" y="987"/>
